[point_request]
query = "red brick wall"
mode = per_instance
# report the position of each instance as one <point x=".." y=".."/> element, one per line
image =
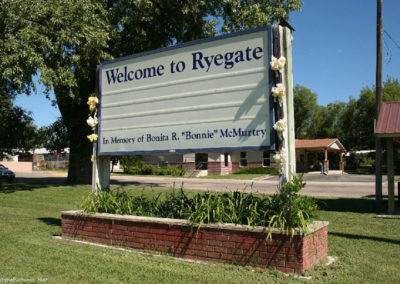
<point x="214" y="168"/>
<point x="218" y="168"/>
<point x="226" y="170"/>
<point x="254" y="164"/>
<point x="235" y="167"/>
<point x="189" y="166"/>
<point x="216" y="242"/>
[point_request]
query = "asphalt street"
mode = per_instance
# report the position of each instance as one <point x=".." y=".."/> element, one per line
<point x="317" y="185"/>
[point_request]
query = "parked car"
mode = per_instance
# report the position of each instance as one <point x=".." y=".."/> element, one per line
<point x="5" y="173"/>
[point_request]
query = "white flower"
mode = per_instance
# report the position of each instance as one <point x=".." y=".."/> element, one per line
<point x="92" y="102"/>
<point x="280" y="125"/>
<point x="281" y="62"/>
<point x="277" y="64"/>
<point x="274" y="64"/>
<point x="92" y="122"/>
<point x="280" y="158"/>
<point x="92" y="137"/>
<point x="278" y="91"/>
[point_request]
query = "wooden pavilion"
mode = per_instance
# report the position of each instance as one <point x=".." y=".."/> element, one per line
<point x="306" y="146"/>
<point x="388" y="127"/>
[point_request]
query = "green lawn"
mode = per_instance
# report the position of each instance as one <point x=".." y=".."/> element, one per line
<point x="234" y="176"/>
<point x="368" y="248"/>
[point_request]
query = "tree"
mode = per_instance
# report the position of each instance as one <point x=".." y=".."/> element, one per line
<point x="54" y="137"/>
<point x="305" y="107"/>
<point x="64" y="41"/>
<point x="347" y="125"/>
<point x="16" y="128"/>
<point x="359" y="115"/>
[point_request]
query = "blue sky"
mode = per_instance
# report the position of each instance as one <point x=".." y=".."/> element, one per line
<point x="334" y="51"/>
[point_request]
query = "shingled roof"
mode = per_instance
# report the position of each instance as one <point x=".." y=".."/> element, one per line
<point x="389" y="120"/>
<point x="331" y="144"/>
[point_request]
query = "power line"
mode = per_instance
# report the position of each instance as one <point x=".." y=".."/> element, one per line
<point x="389" y="53"/>
<point x="390" y="37"/>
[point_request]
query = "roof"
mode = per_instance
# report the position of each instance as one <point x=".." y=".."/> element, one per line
<point x="331" y="144"/>
<point x="389" y="120"/>
<point x="44" y="151"/>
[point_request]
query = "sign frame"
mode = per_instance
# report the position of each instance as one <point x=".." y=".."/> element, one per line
<point x="269" y="74"/>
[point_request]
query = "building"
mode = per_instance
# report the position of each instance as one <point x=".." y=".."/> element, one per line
<point x="229" y="162"/>
<point x="214" y="163"/>
<point x="305" y="147"/>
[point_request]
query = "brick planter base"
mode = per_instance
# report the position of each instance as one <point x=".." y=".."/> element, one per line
<point x="227" y="243"/>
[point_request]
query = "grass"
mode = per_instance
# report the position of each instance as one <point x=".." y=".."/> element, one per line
<point x="368" y="248"/>
<point x="234" y="176"/>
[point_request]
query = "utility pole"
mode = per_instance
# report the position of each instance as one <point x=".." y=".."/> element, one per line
<point x="378" y="88"/>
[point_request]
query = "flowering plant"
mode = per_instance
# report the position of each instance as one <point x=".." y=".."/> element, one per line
<point x="280" y="158"/>
<point x="92" y="121"/>
<point x="279" y="91"/>
<point x="92" y="137"/>
<point x="92" y="102"/>
<point x="278" y="64"/>
<point x="280" y="125"/>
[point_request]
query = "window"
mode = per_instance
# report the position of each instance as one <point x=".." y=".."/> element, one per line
<point x="226" y="159"/>
<point x="266" y="159"/>
<point x="243" y="159"/>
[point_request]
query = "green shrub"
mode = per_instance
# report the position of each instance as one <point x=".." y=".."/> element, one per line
<point x="147" y="169"/>
<point x="177" y="171"/>
<point x="258" y="170"/>
<point x="291" y="210"/>
<point x="286" y="209"/>
<point x="135" y="166"/>
<point x="131" y="164"/>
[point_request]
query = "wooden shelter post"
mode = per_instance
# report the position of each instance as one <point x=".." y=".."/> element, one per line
<point x="390" y="170"/>
<point x="326" y="162"/>
<point x="341" y="162"/>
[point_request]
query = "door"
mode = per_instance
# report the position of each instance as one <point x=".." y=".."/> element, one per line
<point x="201" y="161"/>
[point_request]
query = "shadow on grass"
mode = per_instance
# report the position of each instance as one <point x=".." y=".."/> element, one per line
<point x="51" y="221"/>
<point x="10" y="187"/>
<point x="356" y="205"/>
<point x="359" y="237"/>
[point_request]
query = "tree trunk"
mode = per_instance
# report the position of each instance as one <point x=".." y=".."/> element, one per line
<point x="80" y="166"/>
<point x="74" y="113"/>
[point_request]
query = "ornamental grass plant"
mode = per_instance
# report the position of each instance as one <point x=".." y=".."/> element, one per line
<point x="286" y="210"/>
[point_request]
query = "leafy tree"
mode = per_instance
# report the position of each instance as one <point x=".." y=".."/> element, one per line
<point x="64" y="41"/>
<point x="305" y="108"/>
<point x="347" y="125"/>
<point x="54" y="137"/>
<point x="359" y="116"/>
<point x="16" y="128"/>
<point x="351" y="122"/>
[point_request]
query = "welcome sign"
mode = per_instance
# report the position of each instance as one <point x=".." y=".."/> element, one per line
<point x="202" y="96"/>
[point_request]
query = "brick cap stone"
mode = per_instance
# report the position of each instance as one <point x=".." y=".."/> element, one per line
<point x="313" y="227"/>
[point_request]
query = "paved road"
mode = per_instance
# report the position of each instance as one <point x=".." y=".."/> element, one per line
<point x="349" y="186"/>
<point x="317" y="184"/>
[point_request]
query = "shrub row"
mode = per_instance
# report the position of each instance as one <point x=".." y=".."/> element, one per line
<point x="135" y="166"/>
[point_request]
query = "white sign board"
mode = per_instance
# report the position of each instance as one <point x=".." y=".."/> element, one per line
<point x="202" y="96"/>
